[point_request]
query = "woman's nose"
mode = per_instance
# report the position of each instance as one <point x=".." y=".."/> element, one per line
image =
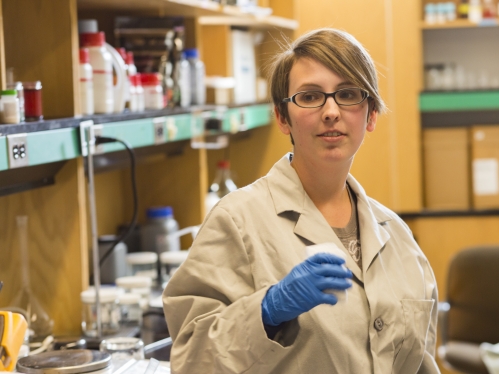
<point x="330" y="110"/>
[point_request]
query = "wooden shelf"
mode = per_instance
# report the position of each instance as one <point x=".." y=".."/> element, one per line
<point x="460" y="24"/>
<point x="222" y="15"/>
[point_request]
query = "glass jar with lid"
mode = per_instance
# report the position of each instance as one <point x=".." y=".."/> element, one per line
<point x="130" y="310"/>
<point x="110" y="313"/>
<point x="137" y="285"/>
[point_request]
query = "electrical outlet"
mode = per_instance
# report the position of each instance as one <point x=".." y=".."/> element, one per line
<point x="95" y="130"/>
<point x="17" y="145"/>
<point x="159" y="130"/>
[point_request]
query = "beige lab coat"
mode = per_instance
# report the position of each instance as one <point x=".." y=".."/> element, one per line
<point x="250" y="241"/>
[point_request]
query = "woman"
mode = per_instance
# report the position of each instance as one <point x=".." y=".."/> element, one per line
<point x="247" y="301"/>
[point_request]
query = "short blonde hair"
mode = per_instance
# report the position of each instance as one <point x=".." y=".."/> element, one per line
<point x="335" y="49"/>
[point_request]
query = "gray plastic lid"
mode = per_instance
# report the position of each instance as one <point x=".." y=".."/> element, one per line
<point x="67" y="362"/>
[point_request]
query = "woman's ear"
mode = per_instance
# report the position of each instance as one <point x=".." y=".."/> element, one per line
<point x="281" y="121"/>
<point x="371" y="120"/>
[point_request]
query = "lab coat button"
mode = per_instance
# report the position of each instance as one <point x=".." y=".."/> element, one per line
<point x="379" y="324"/>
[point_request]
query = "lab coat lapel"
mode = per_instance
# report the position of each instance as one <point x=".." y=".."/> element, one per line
<point x="288" y="195"/>
<point x="373" y="235"/>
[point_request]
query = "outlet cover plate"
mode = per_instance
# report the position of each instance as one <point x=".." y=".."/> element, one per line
<point x="17" y="147"/>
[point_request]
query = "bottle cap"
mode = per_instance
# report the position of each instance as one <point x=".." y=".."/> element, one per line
<point x="9" y="93"/>
<point x="141" y="258"/>
<point x="224" y="164"/>
<point x="134" y="282"/>
<point x="173" y="258"/>
<point x="191" y="53"/>
<point x="129" y="58"/>
<point x="159" y="212"/>
<point x="122" y="52"/>
<point x="92" y="39"/>
<point x="129" y="299"/>
<point x="84" y="56"/>
<point x="135" y="80"/>
<point x="106" y="295"/>
<point x="149" y="79"/>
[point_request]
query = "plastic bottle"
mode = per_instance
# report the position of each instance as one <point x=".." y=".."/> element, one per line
<point x="137" y="100"/>
<point x="184" y="82"/>
<point x="86" y="83"/>
<point x="154" y="234"/>
<point x="475" y="11"/>
<point x="197" y="77"/>
<point x="18" y="86"/>
<point x="102" y="69"/>
<point x="463" y="9"/>
<point x="221" y="186"/>
<point x="9" y="107"/>
<point x="153" y="91"/>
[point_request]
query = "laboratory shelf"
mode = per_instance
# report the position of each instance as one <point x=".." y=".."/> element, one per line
<point x="4" y="164"/>
<point x="458" y="101"/>
<point x="59" y="140"/>
<point x="460" y="24"/>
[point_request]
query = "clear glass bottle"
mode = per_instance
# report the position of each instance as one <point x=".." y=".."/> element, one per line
<point x="221" y="186"/>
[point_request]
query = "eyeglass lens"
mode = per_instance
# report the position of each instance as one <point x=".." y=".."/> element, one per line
<point x="347" y="96"/>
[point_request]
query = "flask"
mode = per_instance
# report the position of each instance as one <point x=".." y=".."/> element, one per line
<point x="197" y="77"/>
<point x="9" y="107"/>
<point x="102" y="69"/>
<point x="221" y="186"/>
<point x="86" y="83"/>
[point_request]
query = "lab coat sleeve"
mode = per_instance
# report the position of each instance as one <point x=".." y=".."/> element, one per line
<point x="212" y="309"/>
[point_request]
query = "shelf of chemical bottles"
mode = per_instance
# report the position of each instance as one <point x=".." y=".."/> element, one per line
<point x="460" y="24"/>
<point x="61" y="140"/>
<point x="257" y="17"/>
<point x="454" y="101"/>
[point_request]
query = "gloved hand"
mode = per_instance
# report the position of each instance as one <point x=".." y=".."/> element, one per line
<point x="301" y="290"/>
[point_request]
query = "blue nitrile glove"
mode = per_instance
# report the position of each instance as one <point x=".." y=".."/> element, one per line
<point x="301" y="290"/>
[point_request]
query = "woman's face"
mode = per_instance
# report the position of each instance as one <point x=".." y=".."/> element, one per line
<point x="330" y="133"/>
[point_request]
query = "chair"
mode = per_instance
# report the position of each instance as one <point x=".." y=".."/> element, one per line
<point x="470" y="315"/>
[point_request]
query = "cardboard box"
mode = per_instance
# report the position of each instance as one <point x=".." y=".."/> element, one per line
<point x="485" y="169"/>
<point x="446" y="168"/>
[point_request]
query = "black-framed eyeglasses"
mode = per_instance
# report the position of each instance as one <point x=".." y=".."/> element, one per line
<point x="316" y="99"/>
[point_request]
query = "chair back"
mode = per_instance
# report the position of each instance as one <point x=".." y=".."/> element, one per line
<point x="473" y="294"/>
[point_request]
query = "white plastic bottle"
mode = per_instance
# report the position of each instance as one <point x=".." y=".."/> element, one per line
<point x="86" y="83"/>
<point x="102" y="69"/>
<point x="185" y="82"/>
<point x="197" y="69"/>
<point x="9" y="107"/>
<point x="153" y="91"/>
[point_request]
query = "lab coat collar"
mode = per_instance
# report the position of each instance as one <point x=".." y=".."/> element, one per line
<point x="289" y="195"/>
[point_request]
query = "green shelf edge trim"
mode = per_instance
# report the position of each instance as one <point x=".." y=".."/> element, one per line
<point x="4" y="164"/>
<point x="54" y="145"/>
<point x="64" y="144"/>
<point x="458" y="101"/>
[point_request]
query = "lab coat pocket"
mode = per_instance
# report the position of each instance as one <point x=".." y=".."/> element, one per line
<point x="417" y="315"/>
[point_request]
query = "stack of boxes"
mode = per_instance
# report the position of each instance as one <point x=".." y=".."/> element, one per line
<point x="461" y="168"/>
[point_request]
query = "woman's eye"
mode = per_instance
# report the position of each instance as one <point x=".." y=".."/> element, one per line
<point x="310" y="97"/>
<point x="347" y="94"/>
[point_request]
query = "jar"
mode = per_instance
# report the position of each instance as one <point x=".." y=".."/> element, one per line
<point x="153" y="92"/>
<point x="18" y="86"/>
<point x="9" y="107"/>
<point x="102" y="70"/>
<point x="143" y="264"/>
<point x="66" y="362"/>
<point x="86" y="83"/>
<point x="156" y="235"/>
<point x="110" y="314"/>
<point x="130" y="310"/>
<point x="33" y="101"/>
<point x="137" y="285"/>
<point x="170" y="261"/>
